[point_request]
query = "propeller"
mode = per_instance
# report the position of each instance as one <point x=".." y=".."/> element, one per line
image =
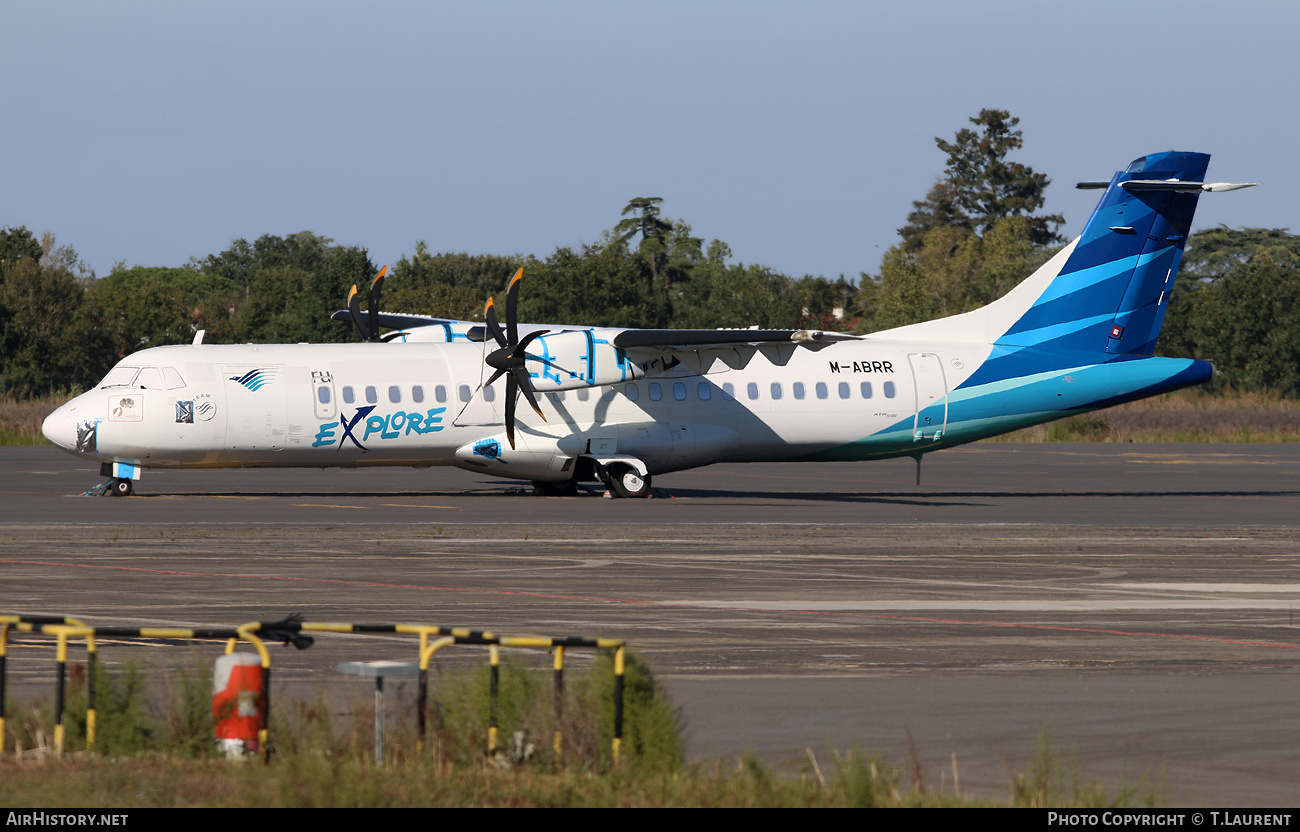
<point x="508" y="360"/>
<point x="368" y="326"/>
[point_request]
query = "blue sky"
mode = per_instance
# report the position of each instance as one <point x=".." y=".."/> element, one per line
<point x="151" y="132"/>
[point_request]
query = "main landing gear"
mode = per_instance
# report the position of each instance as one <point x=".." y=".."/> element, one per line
<point x="624" y="481"/>
<point x="120" y="487"/>
<point x="620" y="479"/>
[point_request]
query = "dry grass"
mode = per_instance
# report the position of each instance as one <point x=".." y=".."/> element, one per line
<point x="1182" y="416"/>
<point x="20" y="419"/>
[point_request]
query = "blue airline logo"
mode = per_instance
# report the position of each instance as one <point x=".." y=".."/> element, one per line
<point x="255" y="379"/>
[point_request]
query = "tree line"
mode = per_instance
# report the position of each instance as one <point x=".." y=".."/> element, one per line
<point x="975" y="235"/>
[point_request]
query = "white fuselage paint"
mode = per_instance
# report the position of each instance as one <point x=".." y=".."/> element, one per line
<point x="262" y="406"/>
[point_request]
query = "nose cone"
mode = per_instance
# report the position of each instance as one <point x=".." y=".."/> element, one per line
<point x="60" y="427"/>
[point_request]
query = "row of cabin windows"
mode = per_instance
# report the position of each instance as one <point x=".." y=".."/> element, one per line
<point x="371" y="394"/>
<point x="703" y="391"/>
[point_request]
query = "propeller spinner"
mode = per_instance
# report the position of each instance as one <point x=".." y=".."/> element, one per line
<point x="508" y="360"/>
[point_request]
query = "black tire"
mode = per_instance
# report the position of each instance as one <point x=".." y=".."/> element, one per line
<point x="626" y="482"/>
<point x="121" y="487"/>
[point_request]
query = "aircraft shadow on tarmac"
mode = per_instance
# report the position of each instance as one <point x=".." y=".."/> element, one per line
<point x="918" y="498"/>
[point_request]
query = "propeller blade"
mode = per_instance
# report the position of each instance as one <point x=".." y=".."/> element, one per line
<point x="494" y="328"/>
<point x="526" y="386"/>
<point x="372" y="312"/>
<point x="354" y="310"/>
<point x="518" y="351"/>
<point x="512" y="306"/>
<point x="511" y="392"/>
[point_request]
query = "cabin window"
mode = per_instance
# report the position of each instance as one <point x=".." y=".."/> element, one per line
<point x="372" y="395"/>
<point x="656" y="392"/>
<point x="557" y="396"/>
<point x="489" y="393"/>
<point x="173" y="378"/>
<point x="845" y="390"/>
<point x="607" y="395"/>
<point x="150" y="378"/>
<point x="866" y="389"/>
<point x="822" y="392"/>
<point x="776" y="390"/>
<point x="752" y="390"/>
<point x="440" y="394"/>
<point x="394" y="394"/>
<point x="632" y="392"/>
<point x="889" y="389"/>
<point x="797" y="387"/>
<point x="583" y="394"/>
<point x="679" y="391"/>
<point x="729" y="391"/>
<point x="704" y="391"/>
<point x="119" y="377"/>
<point x="417" y="394"/>
<point x="348" y="395"/>
<point x="463" y="392"/>
<point x="323" y="394"/>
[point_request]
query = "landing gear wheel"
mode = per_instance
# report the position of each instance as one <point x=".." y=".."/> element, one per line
<point x="550" y="488"/>
<point x="121" y="487"/>
<point x="626" y="482"/>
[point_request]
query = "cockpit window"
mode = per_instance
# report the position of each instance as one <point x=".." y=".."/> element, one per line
<point x="173" y="378"/>
<point x="150" y="378"/>
<point x="119" y="377"/>
<point x="147" y="378"/>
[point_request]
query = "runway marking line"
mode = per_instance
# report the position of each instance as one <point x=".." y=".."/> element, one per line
<point x="597" y="599"/>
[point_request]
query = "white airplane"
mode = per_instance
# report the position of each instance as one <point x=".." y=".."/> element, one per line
<point x="624" y="405"/>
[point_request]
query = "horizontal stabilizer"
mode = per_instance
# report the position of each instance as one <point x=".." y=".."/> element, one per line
<point x="1139" y="185"/>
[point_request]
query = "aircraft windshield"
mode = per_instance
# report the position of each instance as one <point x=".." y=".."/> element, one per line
<point x="149" y="378"/>
<point x="119" y="377"/>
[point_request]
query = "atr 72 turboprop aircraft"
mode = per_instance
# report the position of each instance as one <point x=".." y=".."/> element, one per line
<point x="623" y="405"/>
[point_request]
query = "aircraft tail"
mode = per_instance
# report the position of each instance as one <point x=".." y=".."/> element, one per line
<point x="1108" y="290"/>
<point x="1113" y="289"/>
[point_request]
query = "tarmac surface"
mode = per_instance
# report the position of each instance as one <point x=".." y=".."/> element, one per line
<point x="1136" y="602"/>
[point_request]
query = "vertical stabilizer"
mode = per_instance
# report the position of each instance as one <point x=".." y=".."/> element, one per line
<point x="1111" y="293"/>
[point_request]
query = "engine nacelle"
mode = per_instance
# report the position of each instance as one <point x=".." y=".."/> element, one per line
<point x="578" y="358"/>
<point x="534" y="457"/>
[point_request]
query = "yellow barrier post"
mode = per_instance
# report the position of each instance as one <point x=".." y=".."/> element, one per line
<point x="426" y="654"/>
<point x="92" y="670"/>
<point x="61" y="660"/>
<point x="494" y="658"/>
<point x="264" y="733"/>
<point x="557" y="741"/>
<point x="619" y="662"/>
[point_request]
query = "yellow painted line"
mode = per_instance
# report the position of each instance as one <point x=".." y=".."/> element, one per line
<point x="323" y="505"/>
<point x="1207" y="461"/>
<point x="234" y="497"/>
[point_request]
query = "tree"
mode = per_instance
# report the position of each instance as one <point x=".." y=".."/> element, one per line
<point x="972" y="238"/>
<point x="49" y="338"/>
<point x="17" y="243"/>
<point x="980" y="186"/>
<point x="290" y="286"/>
<point x="1237" y="303"/>
<point x="151" y="306"/>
